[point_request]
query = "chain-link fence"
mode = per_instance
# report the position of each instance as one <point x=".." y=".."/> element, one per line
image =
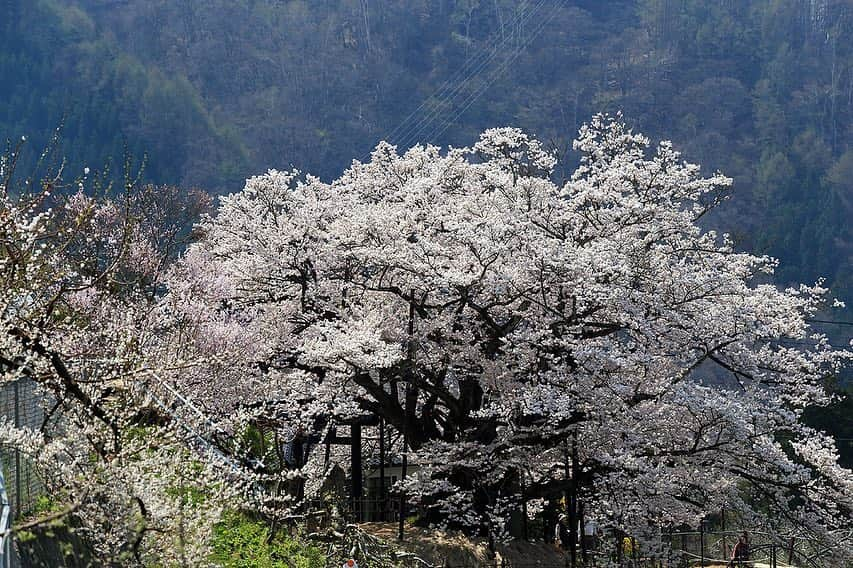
<point x="22" y="404"/>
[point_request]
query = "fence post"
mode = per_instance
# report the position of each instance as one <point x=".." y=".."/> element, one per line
<point x="523" y="507"/>
<point x="357" y="480"/>
<point x="583" y="536"/>
<point x="702" y="543"/>
<point x="619" y="546"/>
<point x="383" y="507"/>
<point x="17" y="403"/>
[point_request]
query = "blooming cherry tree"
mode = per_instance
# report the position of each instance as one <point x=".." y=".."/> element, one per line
<point x="529" y="340"/>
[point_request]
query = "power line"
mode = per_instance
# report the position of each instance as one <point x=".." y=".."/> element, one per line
<point x="459" y="74"/>
<point x="478" y="93"/>
<point x="524" y="13"/>
<point x="426" y="122"/>
<point x="409" y="131"/>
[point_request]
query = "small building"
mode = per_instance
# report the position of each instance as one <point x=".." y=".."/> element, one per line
<point x="375" y="508"/>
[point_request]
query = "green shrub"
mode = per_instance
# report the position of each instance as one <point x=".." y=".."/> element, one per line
<point x="240" y="541"/>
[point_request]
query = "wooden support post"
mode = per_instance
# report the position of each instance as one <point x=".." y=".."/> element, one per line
<point x="523" y="508"/>
<point x="402" y="519"/>
<point x="382" y="505"/>
<point x="572" y="501"/>
<point x="584" y="543"/>
<point x="411" y="402"/>
<point x="357" y="480"/>
<point x="383" y="509"/>
<point x="702" y="543"/>
<point x="619" y="548"/>
<point x="548" y="523"/>
<point x="328" y="454"/>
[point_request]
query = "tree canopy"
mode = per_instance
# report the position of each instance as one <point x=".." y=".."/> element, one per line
<point x="507" y="325"/>
<point x="216" y="91"/>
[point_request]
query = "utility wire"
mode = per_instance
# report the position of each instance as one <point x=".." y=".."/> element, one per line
<point x="410" y="135"/>
<point x="442" y="91"/>
<point x="413" y="134"/>
<point x="498" y="72"/>
<point x="408" y="131"/>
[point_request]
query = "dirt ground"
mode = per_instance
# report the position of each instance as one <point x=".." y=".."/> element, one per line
<point x="452" y="550"/>
<point x="457" y="551"/>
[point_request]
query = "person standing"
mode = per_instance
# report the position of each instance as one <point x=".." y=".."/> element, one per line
<point x="561" y="533"/>
<point x="740" y="552"/>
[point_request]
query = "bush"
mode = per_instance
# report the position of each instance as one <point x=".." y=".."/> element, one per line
<point x="240" y="541"/>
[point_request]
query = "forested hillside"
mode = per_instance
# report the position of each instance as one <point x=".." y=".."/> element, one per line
<point x="215" y="91"/>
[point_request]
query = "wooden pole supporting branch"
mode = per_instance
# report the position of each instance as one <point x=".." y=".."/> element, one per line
<point x="410" y="408"/>
<point x="572" y="501"/>
<point x="382" y="504"/>
<point x="357" y="479"/>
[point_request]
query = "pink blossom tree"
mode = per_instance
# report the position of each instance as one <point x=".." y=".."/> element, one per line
<point x="79" y="273"/>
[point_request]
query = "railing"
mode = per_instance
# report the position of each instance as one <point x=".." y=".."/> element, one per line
<point x="766" y="549"/>
<point x="5" y="525"/>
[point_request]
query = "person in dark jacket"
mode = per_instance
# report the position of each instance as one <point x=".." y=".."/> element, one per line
<point x="740" y="552"/>
<point x="561" y="533"/>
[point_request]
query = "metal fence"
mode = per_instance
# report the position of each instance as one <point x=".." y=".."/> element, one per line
<point x="5" y="525"/>
<point x="706" y="548"/>
<point x="22" y="404"/>
<point x="20" y="486"/>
